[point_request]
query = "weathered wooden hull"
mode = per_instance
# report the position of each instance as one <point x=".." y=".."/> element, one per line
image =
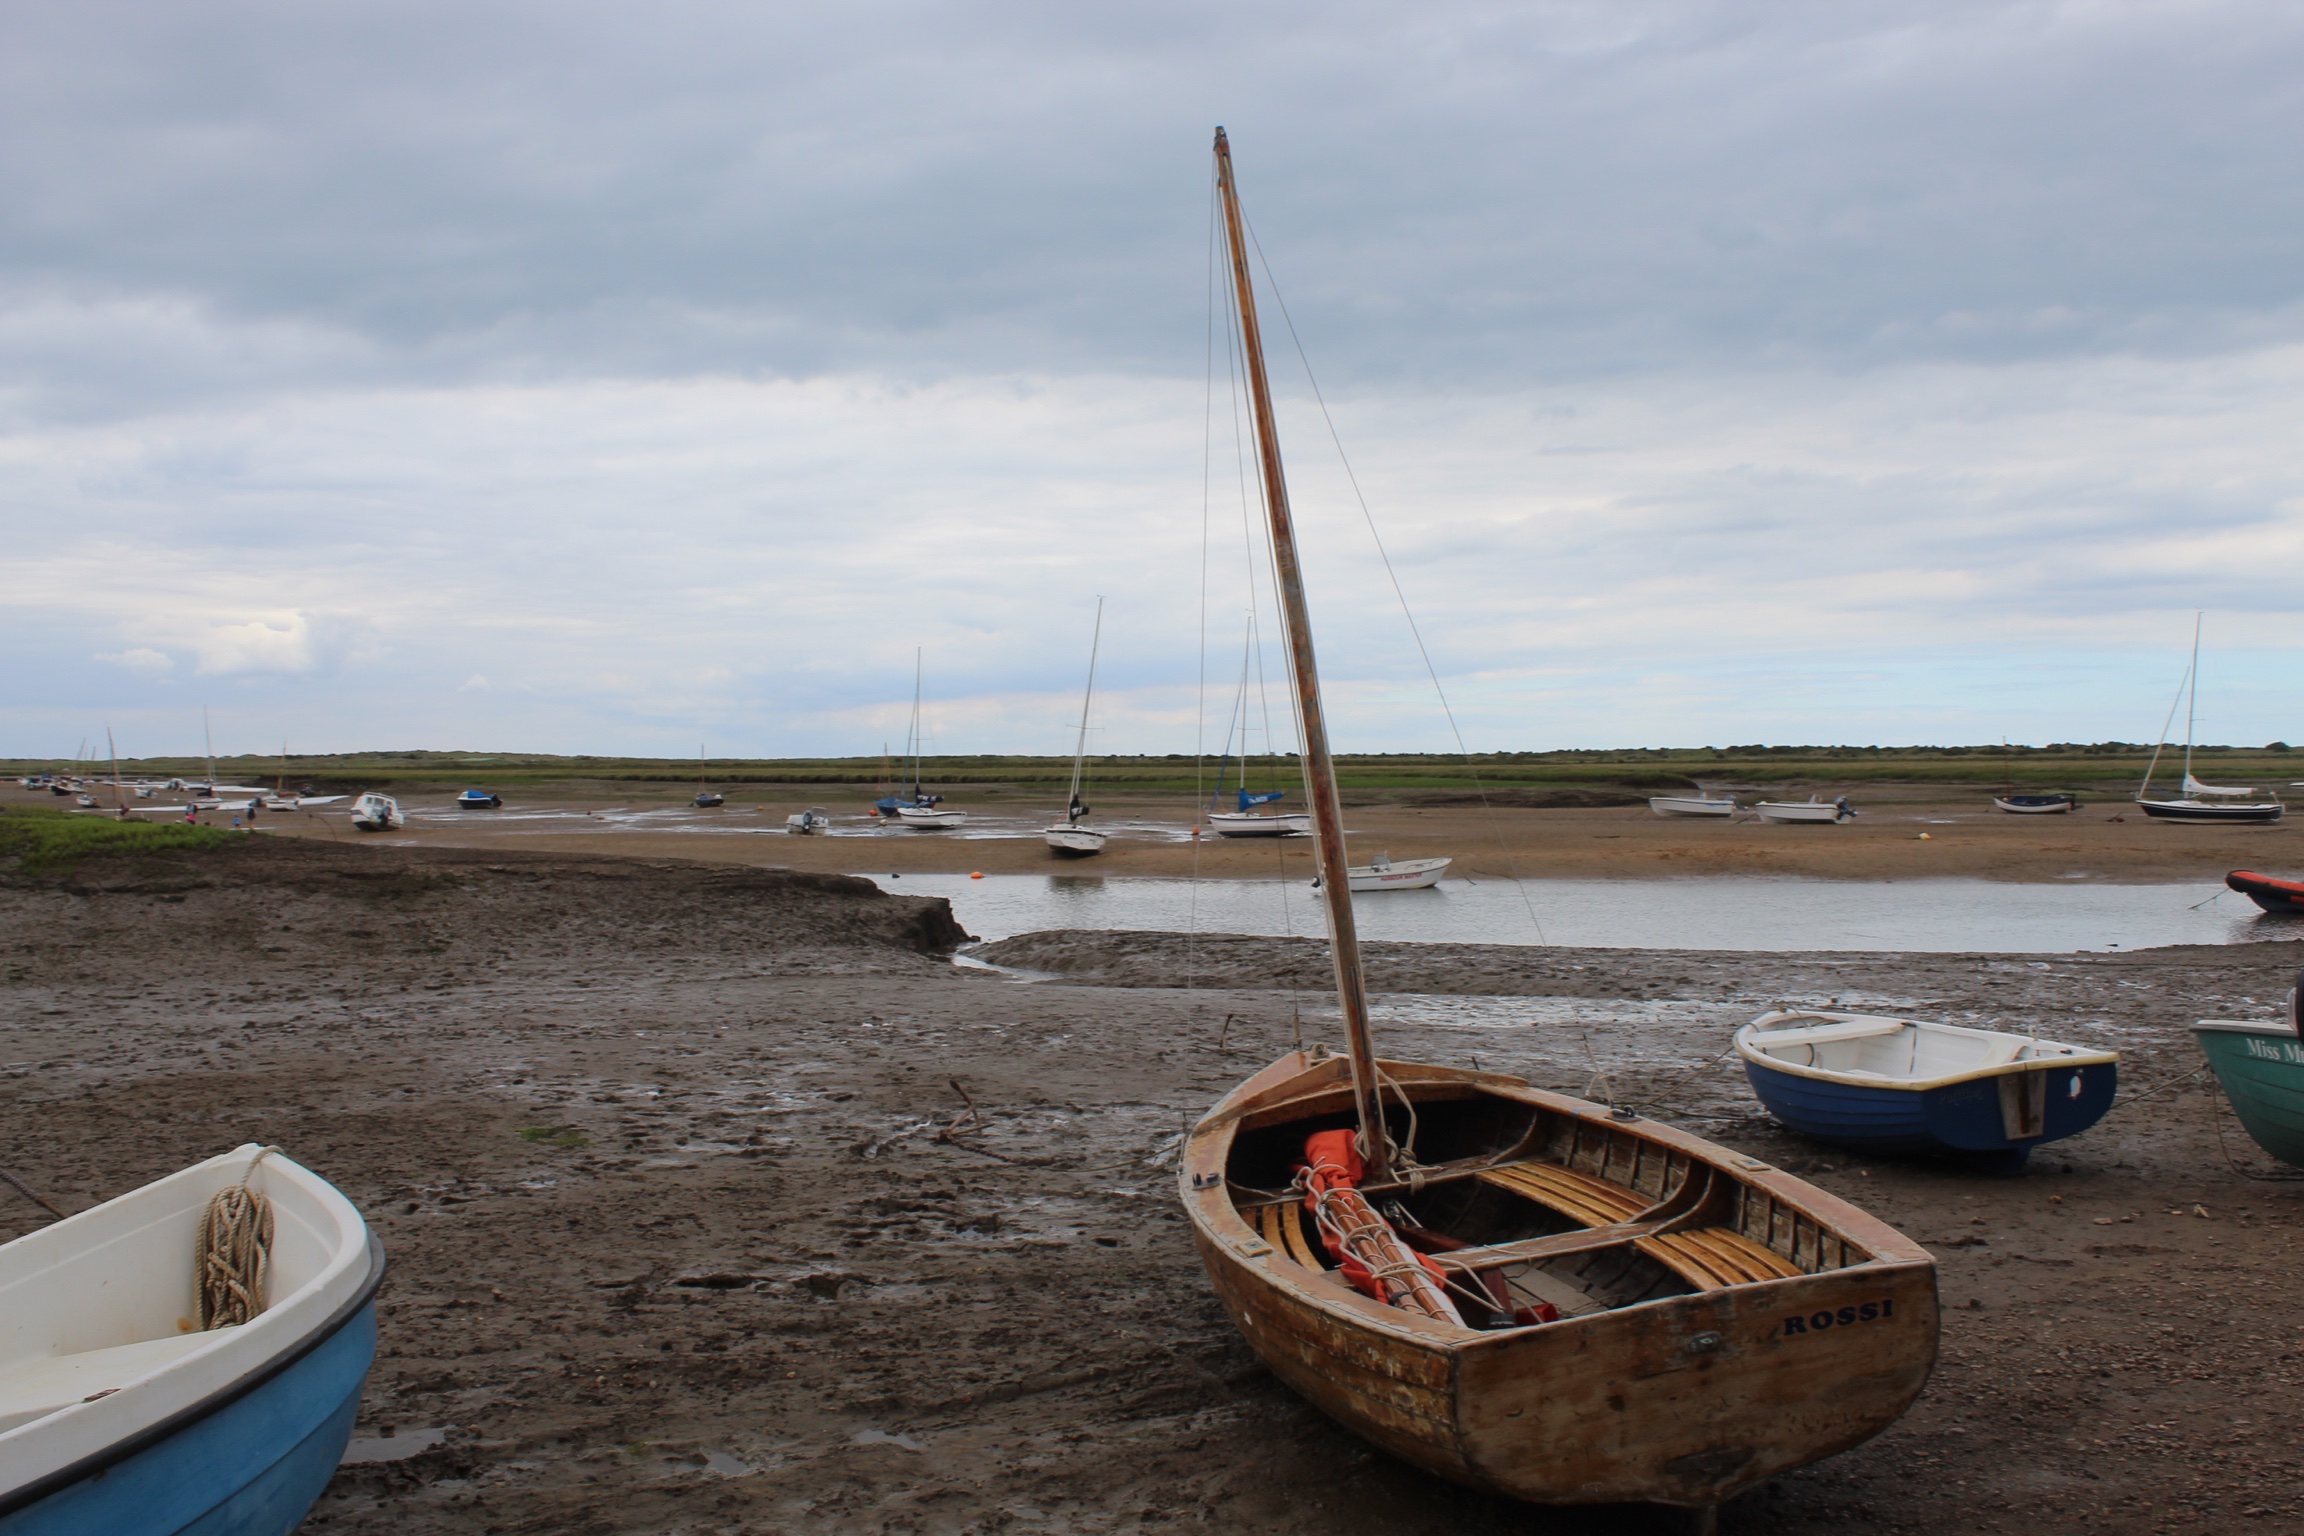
<point x="1686" y="1400"/>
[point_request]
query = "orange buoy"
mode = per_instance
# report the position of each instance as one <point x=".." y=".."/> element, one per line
<point x="976" y="874"/>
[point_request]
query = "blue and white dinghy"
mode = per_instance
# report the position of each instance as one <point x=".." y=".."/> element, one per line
<point x="1896" y="1085"/>
<point x="121" y="1415"/>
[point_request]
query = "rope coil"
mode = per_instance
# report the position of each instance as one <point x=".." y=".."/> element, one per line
<point x="235" y="1252"/>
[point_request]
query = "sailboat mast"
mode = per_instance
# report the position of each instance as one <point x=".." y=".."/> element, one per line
<point x="208" y="738"/>
<point x="113" y="747"/>
<point x="2191" y="700"/>
<point x="1319" y="766"/>
<point x="1080" y="750"/>
<point x="916" y="653"/>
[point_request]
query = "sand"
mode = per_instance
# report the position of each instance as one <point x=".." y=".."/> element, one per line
<point x="676" y="1247"/>
<point x="1899" y="834"/>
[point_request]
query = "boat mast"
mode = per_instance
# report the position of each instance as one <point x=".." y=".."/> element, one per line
<point x="1319" y="766"/>
<point x="2191" y="700"/>
<point x="113" y="747"/>
<point x="916" y="653"/>
<point x="1080" y="751"/>
<point x="209" y="737"/>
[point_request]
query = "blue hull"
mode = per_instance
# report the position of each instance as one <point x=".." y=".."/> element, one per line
<point x="1958" y="1117"/>
<point x="249" y="1465"/>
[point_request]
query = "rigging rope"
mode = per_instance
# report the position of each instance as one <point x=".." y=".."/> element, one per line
<point x="1487" y="810"/>
<point x="235" y="1252"/>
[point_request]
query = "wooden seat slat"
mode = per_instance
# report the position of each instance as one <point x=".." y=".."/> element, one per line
<point x="1284" y="1230"/>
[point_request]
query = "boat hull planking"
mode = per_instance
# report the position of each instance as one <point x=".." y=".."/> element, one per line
<point x="2261" y="1068"/>
<point x="1685" y="1400"/>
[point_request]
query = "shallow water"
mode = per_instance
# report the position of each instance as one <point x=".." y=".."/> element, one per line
<point x="1720" y="912"/>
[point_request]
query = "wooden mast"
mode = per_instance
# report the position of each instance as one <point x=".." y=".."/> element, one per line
<point x="1319" y="767"/>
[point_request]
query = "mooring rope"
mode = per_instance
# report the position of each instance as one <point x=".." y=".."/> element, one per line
<point x="235" y="1252"/>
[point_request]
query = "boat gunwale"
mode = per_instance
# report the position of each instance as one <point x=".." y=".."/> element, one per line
<point x="2278" y="1028"/>
<point x="2081" y="1056"/>
<point x="274" y="1365"/>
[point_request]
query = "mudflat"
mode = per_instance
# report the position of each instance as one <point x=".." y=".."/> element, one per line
<point x="1900" y="833"/>
<point x="719" y="1200"/>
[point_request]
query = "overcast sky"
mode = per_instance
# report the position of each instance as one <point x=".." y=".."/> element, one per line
<point x="575" y="378"/>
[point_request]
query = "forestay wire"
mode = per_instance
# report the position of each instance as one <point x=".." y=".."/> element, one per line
<point x="1488" y="811"/>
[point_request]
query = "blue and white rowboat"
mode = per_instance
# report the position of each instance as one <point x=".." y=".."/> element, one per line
<point x="118" y="1419"/>
<point x="1896" y="1085"/>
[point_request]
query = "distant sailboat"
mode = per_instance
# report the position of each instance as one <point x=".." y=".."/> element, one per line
<point x="2200" y="802"/>
<point x="913" y="807"/>
<point x="1246" y="820"/>
<point x="1068" y="837"/>
<point x="706" y="797"/>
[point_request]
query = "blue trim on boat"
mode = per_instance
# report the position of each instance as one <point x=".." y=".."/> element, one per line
<point x="1956" y="1117"/>
<point x="247" y="1460"/>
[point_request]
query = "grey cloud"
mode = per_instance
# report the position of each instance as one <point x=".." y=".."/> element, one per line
<point x="1485" y="194"/>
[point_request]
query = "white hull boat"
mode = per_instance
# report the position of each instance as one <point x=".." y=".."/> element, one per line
<point x="1258" y="824"/>
<point x="1691" y="805"/>
<point x="929" y="818"/>
<point x="809" y="821"/>
<point x="1384" y="874"/>
<point x="1078" y="841"/>
<point x="2192" y="809"/>
<point x="120" y="1415"/>
<point x="373" y="812"/>
<point x="2036" y="805"/>
<point x="1068" y="838"/>
<point x="1808" y="810"/>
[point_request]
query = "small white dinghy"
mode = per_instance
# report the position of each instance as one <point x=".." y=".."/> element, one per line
<point x="120" y="1416"/>
<point x="1259" y="823"/>
<point x="1692" y="805"/>
<point x="373" y="812"/>
<point x="1904" y="1085"/>
<point x="1383" y="874"/>
<point x="810" y="821"/>
<point x="930" y="818"/>
<point x="1073" y="838"/>
<point x="1808" y="810"/>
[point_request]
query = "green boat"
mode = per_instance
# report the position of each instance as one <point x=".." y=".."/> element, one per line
<point x="2260" y="1062"/>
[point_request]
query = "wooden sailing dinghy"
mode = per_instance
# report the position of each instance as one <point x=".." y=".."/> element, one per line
<point x="1515" y="1289"/>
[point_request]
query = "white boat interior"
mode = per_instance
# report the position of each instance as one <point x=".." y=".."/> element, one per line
<point x="374" y="812"/>
<point x="813" y="819"/>
<point x="97" y="1338"/>
<point x="1905" y="1053"/>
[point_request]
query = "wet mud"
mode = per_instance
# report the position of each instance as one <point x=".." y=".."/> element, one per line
<point x="719" y="1200"/>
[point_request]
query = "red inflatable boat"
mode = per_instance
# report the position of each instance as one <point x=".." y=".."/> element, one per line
<point x="2273" y="894"/>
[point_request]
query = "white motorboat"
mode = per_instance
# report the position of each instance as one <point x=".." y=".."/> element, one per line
<point x="1808" y="810"/>
<point x="137" y="1401"/>
<point x="1692" y="805"/>
<point x="373" y="812"/>
<point x="1382" y="873"/>
<point x="1068" y="837"/>
<point x="1259" y="823"/>
<point x="930" y="818"/>
<point x="812" y="820"/>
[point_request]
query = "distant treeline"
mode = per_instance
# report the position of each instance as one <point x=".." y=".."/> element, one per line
<point x="2100" y="766"/>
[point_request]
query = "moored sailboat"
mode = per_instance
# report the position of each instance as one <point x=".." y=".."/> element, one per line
<point x="1069" y="837"/>
<point x="2201" y="802"/>
<point x="1515" y="1289"/>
